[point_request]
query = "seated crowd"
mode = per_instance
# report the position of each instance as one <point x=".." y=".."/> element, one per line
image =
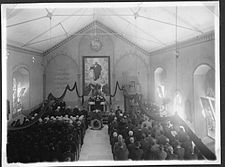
<point x="135" y="136"/>
<point x="56" y="136"/>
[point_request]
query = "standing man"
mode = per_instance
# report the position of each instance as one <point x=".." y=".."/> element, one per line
<point x="96" y="70"/>
<point x="118" y="111"/>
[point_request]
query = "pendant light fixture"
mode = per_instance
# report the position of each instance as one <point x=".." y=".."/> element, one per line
<point x="176" y="59"/>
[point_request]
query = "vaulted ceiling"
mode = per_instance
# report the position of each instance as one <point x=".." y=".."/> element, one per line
<point x="148" y="25"/>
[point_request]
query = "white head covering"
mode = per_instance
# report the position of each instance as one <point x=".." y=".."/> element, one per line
<point x="130" y="133"/>
<point x="115" y="134"/>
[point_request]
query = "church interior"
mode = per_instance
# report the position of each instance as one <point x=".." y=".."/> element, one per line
<point x="111" y="81"/>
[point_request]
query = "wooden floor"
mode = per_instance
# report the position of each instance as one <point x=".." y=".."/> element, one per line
<point x="96" y="145"/>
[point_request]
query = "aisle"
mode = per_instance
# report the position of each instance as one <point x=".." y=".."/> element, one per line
<point x="96" y="145"/>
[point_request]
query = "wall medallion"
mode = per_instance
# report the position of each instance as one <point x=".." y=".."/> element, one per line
<point x="96" y="44"/>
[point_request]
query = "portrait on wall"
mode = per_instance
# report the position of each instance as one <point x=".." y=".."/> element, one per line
<point x="96" y="75"/>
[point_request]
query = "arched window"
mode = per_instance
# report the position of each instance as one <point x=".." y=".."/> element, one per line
<point x="21" y="83"/>
<point x="204" y="96"/>
<point x="179" y="105"/>
<point x="160" y="91"/>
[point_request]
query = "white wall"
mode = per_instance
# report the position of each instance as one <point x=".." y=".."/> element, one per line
<point x="18" y="58"/>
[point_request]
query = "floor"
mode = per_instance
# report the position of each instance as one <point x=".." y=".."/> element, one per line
<point x="96" y="145"/>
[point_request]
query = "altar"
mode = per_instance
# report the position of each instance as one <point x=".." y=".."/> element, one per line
<point x="96" y="109"/>
<point x="97" y="103"/>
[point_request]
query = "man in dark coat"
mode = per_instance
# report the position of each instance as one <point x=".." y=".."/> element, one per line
<point x="119" y="146"/>
<point x="113" y="139"/>
<point x="118" y="111"/>
<point x="131" y="146"/>
<point x="136" y="153"/>
<point x="179" y="151"/>
<point x="121" y="152"/>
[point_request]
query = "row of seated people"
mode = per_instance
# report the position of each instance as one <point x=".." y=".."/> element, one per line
<point x="25" y="120"/>
<point x="51" y="138"/>
<point x="148" y="139"/>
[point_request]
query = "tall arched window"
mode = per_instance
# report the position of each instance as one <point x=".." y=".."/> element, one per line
<point x="204" y="96"/>
<point x="160" y="91"/>
<point x="21" y="83"/>
<point x="179" y="105"/>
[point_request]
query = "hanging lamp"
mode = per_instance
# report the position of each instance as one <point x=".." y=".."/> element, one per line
<point x="176" y="59"/>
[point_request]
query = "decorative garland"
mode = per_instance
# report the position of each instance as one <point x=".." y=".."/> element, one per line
<point x="52" y="97"/>
<point x="99" y="125"/>
<point x="115" y="91"/>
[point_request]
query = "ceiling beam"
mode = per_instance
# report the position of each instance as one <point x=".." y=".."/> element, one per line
<point x="171" y="24"/>
<point x="142" y="30"/>
<point x="191" y="26"/>
<point x="64" y="30"/>
<point x="39" y="35"/>
<point x="47" y="39"/>
<point x="122" y="32"/>
<point x="26" y="21"/>
<point x="87" y="15"/>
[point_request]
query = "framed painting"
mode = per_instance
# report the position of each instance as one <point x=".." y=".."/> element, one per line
<point x="96" y="75"/>
<point x="209" y="115"/>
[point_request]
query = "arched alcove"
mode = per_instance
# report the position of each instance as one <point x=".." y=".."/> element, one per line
<point x="160" y="85"/>
<point x="204" y="100"/>
<point x="60" y="71"/>
<point x="132" y="70"/>
<point x="20" y="86"/>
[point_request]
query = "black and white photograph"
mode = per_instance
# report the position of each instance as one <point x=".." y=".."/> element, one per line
<point x="113" y="83"/>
